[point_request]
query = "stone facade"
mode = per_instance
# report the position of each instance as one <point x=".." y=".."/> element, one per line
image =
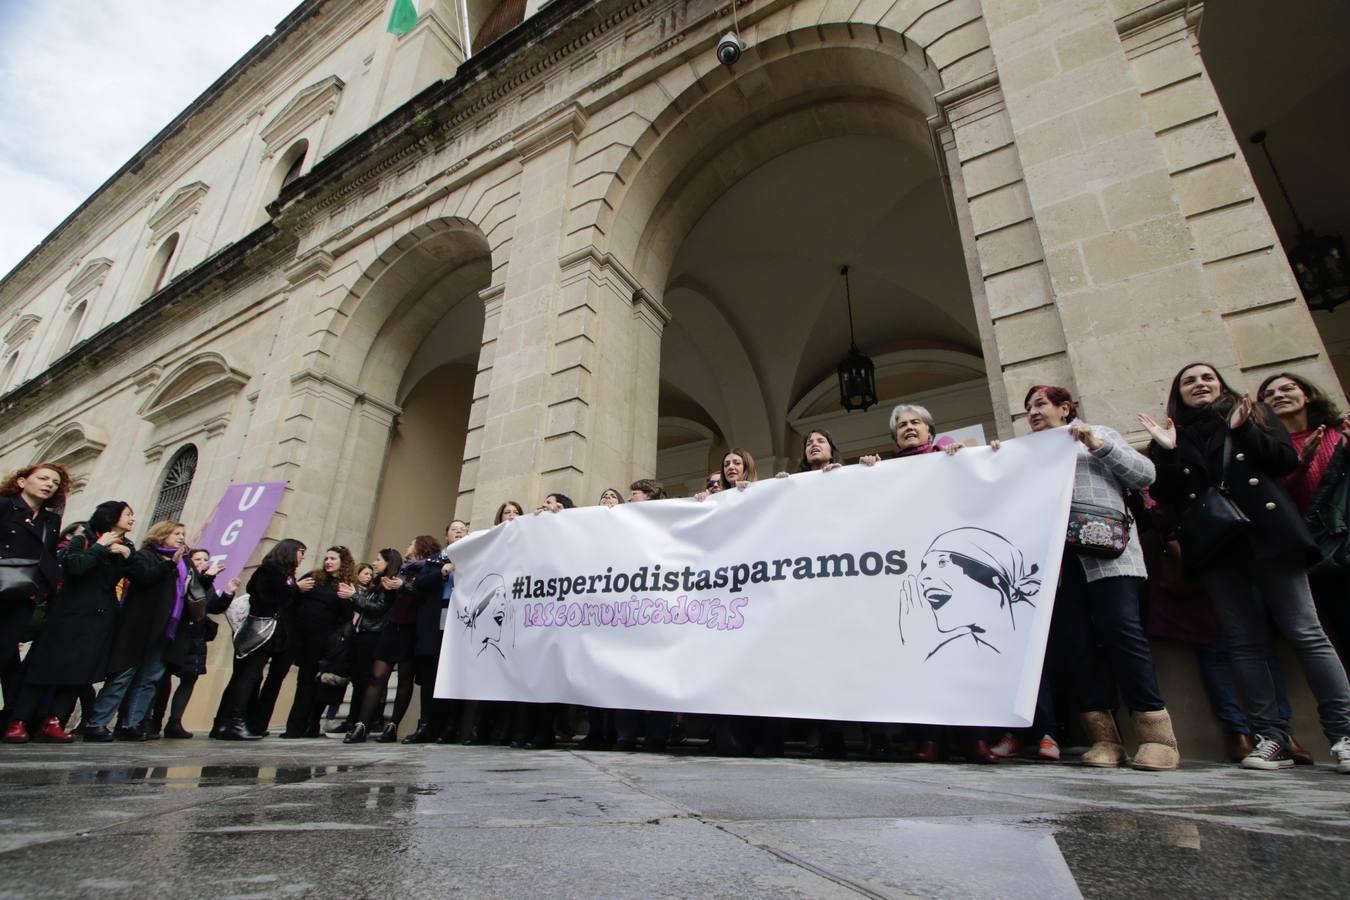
<point x="348" y="214"/>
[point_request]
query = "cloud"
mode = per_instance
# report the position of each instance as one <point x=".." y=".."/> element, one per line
<point x="84" y="84"/>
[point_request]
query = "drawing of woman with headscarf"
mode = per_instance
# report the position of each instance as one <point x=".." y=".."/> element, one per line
<point x="971" y="582"/>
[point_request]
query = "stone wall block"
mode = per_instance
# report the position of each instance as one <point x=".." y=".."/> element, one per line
<point x="1273" y="335"/>
<point x="1140" y="248"/>
<point x="1029" y="335"/>
<point x="1166" y="64"/>
<point x="1197" y="143"/>
<point x="1119" y="308"/>
<point x="1231" y="230"/>
<point x="1075" y="219"/>
<point x="1000" y="208"/>
<point x="1087" y="45"/>
<point x="1024" y="72"/>
<point x="1221" y="183"/>
<point x="1179" y="103"/>
<point x="968" y="68"/>
<point x="1009" y="248"/>
<point x="1070" y="91"/>
<point x="1109" y="118"/>
<point x="570" y="416"/>
<point x="959" y="43"/>
<point x="985" y="134"/>
<point x="1049" y="140"/>
<point x="1251" y="280"/>
<point x="1018" y="290"/>
<point x="1068" y="273"/>
<point x="1139" y="199"/>
<point x="566" y="451"/>
<point x="993" y="170"/>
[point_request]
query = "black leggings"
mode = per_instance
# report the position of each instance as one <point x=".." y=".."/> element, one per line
<point x="14" y="620"/>
<point x="378" y="690"/>
<point x="175" y="707"/>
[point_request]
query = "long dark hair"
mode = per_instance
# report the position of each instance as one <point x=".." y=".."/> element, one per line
<point x="751" y="473"/>
<point x="286" y="555"/>
<point x="1321" y="409"/>
<point x="1183" y="415"/>
<point x="835" y="456"/>
<point x="497" y="519"/>
<point x="393" y="561"/>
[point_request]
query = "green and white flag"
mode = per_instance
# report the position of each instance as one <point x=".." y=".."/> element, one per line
<point x="403" y="18"/>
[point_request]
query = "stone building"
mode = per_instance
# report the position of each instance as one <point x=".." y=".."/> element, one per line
<point x="530" y="247"/>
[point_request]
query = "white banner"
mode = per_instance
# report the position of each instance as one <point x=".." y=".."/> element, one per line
<point x="918" y="590"/>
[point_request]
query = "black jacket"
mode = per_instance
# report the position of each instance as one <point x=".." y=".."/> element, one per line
<point x="1258" y="459"/>
<point x="319" y="610"/>
<point x="146" y="610"/>
<point x="81" y="619"/>
<point x="427" y="588"/>
<point x="372" y="605"/>
<point x="186" y="654"/>
<point x="24" y="535"/>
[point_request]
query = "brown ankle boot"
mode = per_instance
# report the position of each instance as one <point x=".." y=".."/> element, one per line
<point x="1106" y="752"/>
<point x="1157" y="745"/>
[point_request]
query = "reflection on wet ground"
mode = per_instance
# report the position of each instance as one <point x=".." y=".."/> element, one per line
<point x="320" y="819"/>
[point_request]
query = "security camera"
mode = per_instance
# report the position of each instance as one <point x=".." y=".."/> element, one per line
<point x="730" y="48"/>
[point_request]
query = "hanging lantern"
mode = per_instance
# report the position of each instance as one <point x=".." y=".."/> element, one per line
<point x="857" y="374"/>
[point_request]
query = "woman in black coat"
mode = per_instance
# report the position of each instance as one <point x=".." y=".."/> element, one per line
<point x="271" y="591"/>
<point x="1255" y="573"/>
<point x="72" y="651"/>
<point x="31" y="501"/>
<point x="149" y="621"/>
<point x="433" y="587"/>
<point x="185" y="659"/>
<point x="316" y="615"/>
<point x="374" y="596"/>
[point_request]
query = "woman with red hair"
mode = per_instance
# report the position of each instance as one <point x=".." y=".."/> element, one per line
<point x="31" y="502"/>
<point x="1101" y="586"/>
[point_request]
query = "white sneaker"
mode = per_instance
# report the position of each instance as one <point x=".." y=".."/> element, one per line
<point x="1340" y="751"/>
<point x="1268" y="755"/>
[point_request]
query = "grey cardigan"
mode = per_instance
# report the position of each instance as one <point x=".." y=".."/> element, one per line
<point x="1101" y="478"/>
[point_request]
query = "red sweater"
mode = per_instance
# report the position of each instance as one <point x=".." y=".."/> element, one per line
<point x="1303" y="483"/>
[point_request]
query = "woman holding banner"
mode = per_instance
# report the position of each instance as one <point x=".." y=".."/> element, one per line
<point x="493" y="716"/>
<point x="1101" y="584"/>
<point x="317" y="614"/>
<point x="260" y="643"/>
<point x="72" y="652"/>
<point x="1220" y="460"/>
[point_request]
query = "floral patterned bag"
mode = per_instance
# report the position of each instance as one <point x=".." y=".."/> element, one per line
<point x="1097" y="530"/>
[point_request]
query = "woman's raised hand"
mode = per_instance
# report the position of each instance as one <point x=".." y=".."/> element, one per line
<point x="1082" y="432"/>
<point x="1309" y="451"/>
<point x="346" y="591"/>
<point x="233" y="586"/>
<point x="781" y="474"/>
<point x="742" y="485"/>
<point x="305" y="583"/>
<point x="870" y="459"/>
<point x="1242" y="412"/>
<point x="120" y="549"/>
<point x="952" y="449"/>
<point x="1164" y="435"/>
<point x="701" y="496"/>
<point x="830" y="467"/>
<point x="391" y="583"/>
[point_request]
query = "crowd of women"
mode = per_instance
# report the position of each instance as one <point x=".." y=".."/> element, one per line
<point x="1230" y="530"/>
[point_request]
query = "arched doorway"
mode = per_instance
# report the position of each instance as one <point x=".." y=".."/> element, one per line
<point x="414" y="333"/>
<point x="762" y="182"/>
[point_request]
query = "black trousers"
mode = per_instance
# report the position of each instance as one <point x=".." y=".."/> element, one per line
<point x="363" y="662"/>
<point x="14" y="621"/>
<point x="310" y="697"/>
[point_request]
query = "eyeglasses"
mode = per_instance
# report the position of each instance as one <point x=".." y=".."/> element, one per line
<point x="712" y="485"/>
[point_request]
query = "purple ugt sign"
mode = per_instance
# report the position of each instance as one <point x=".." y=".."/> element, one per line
<point x="238" y="524"/>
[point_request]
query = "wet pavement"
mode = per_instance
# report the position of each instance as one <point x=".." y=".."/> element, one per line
<point x="320" y="819"/>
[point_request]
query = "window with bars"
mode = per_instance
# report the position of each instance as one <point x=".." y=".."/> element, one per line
<point x="173" y="491"/>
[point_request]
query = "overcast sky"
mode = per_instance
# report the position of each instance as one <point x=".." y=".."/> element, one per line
<point x="84" y="84"/>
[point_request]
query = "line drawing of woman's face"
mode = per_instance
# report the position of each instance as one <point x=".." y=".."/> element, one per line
<point x="960" y="592"/>
<point x="487" y="619"/>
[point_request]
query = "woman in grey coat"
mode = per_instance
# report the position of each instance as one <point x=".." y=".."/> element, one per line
<point x="1098" y="598"/>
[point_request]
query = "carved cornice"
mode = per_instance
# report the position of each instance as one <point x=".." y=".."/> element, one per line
<point x="564" y="125"/>
<point x="196" y="383"/>
<point x="71" y="444"/>
<point x="90" y="277"/>
<point x="182" y="204"/>
<point x="311" y="104"/>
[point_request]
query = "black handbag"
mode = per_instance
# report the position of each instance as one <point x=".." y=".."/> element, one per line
<point x="1097" y="530"/>
<point x="1329" y="517"/>
<point x="1213" y="521"/>
<point x="19" y="579"/>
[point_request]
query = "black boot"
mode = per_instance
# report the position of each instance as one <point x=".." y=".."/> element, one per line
<point x="357" y="735"/>
<point x="389" y="735"/>
<point x="235" y="730"/>
<point x="176" y="731"/>
<point x="422" y="735"/>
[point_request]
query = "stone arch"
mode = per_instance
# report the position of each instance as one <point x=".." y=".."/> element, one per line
<point x="871" y="80"/>
<point x="193" y="384"/>
<point x="379" y="318"/>
<point x="71" y="444"/>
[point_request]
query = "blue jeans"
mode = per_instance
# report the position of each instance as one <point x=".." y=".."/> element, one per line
<point x="1106" y="612"/>
<point x="1249" y="595"/>
<point x="1216" y="673"/>
<point x="136" y="685"/>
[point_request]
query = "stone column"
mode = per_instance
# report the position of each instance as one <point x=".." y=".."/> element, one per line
<point x="574" y="353"/>
<point x="1130" y="262"/>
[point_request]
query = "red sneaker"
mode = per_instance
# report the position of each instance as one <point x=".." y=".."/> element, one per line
<point x="16" y="732"/>
<point x="52" y="733"/>
<point x="1049" y="749"/>
<point x="1007" y="746"/>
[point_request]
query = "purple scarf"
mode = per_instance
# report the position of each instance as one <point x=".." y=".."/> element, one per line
<point x="179" y="587"/>
<point x="930" y="447"/>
